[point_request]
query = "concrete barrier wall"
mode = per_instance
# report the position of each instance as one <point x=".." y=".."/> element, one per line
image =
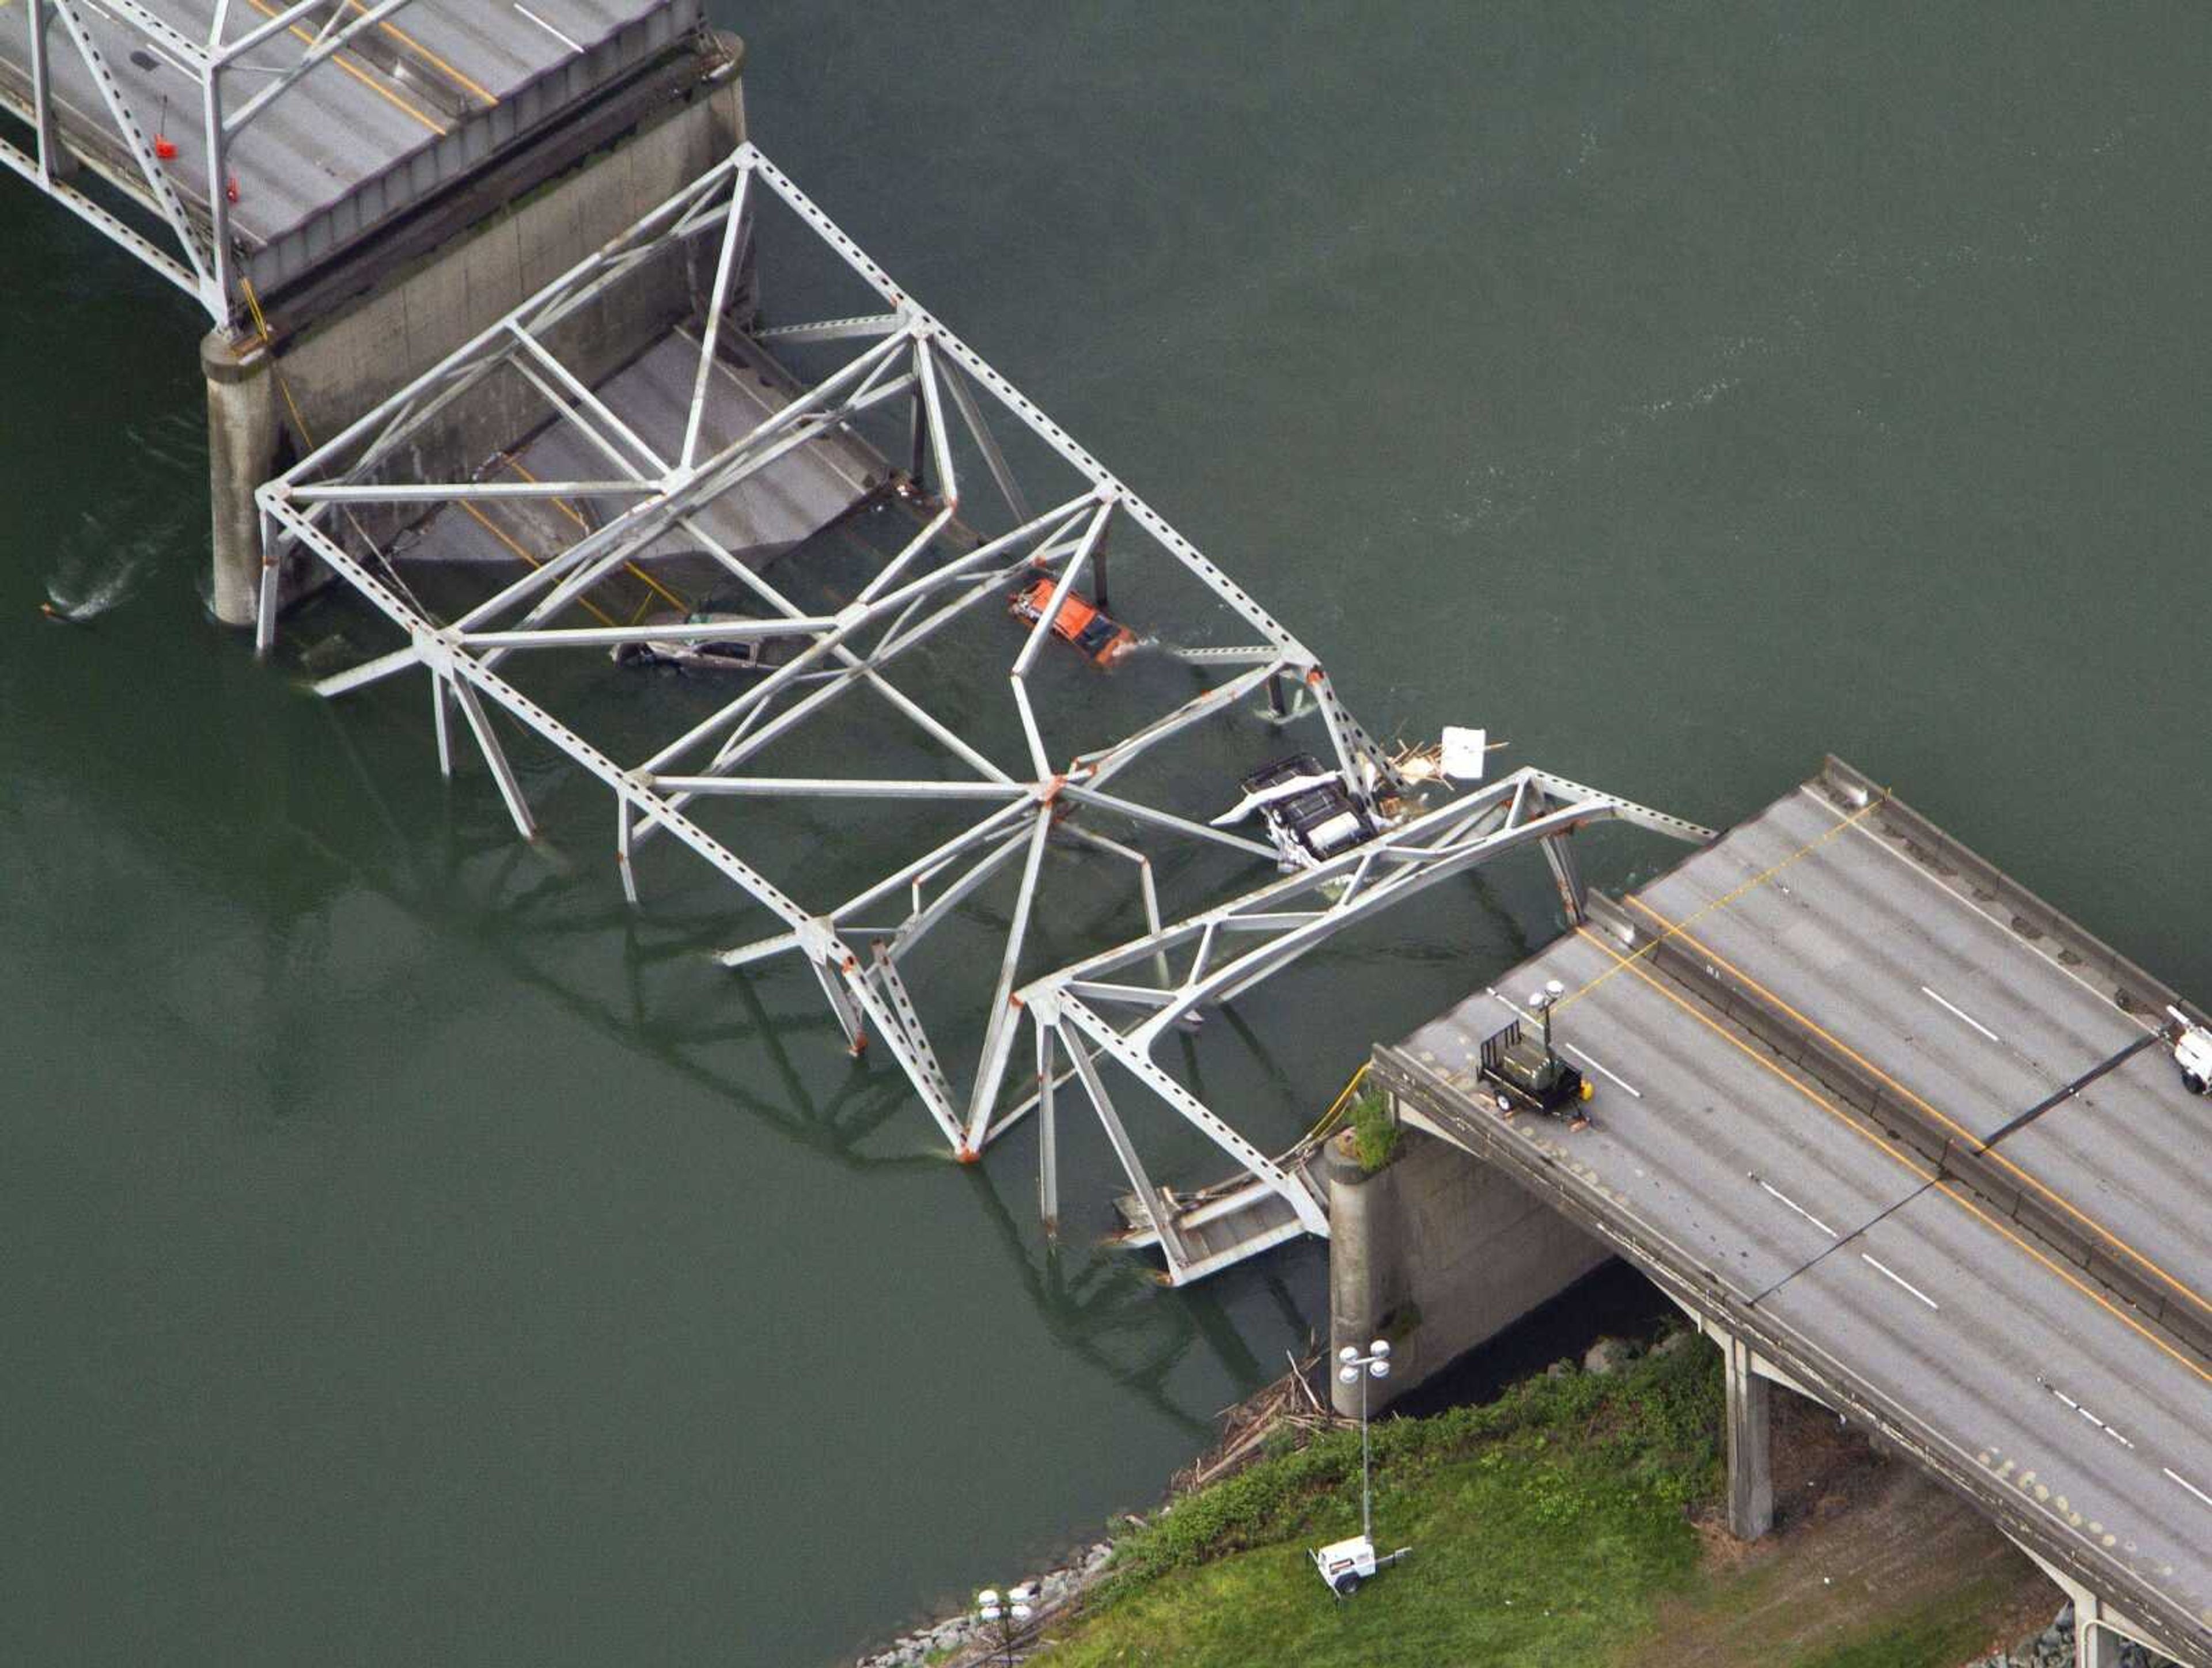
<point x="1438" y="1251"/>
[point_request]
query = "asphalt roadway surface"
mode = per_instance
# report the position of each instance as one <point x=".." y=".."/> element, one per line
<point x="348" y="122"/>
<point x="2102" y="1426"/>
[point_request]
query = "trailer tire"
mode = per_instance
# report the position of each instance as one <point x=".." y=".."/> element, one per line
<point x="1344" y="1585"/>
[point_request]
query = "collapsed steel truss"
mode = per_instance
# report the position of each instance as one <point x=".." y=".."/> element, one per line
<point x="960" y="561"/>
<point x="274" y="50"/>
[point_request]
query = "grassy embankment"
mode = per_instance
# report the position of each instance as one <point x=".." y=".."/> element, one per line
<point x="1559" y="1524"/>
<point x="1543" y="1523"/>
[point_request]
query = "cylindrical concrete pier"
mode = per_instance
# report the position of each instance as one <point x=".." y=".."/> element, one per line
<point x="1361" y="1227"/>
<point x="243" y="431"/>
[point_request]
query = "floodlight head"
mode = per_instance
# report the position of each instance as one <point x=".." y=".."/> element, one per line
<point x="1024" y="1593"/>
<point x="1380" y="1370"/>
<point x="1380" y="1347"/>
<point x="1020" y="1612"/>
<point x="1554" y="989"/>
<point x="988" y="1598"/>
<point x="1347" y="1375"/>
<point x="1347" y="1353"/>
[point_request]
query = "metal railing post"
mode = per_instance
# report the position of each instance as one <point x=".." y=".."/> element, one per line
<point x="41" y="103"/>
<point x="218" y="162"/>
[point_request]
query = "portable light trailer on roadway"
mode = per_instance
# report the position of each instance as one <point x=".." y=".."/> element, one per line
<point x="1817" y="1160"/>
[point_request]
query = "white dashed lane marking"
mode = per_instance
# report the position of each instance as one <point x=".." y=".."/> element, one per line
<point x="1884" y="1269"/>
<point x="1953" y="1007"/>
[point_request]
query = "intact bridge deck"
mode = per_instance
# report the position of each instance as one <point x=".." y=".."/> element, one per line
<point x="407" y="108"/>
<point x="1805" y="1038"/>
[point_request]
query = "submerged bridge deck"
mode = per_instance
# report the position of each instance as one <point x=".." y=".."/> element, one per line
<point x="1815" y="1043"/>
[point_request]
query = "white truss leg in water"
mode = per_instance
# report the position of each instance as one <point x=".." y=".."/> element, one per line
<point x="987" y="778"/>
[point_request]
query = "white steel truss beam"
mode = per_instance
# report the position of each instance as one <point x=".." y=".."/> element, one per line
<point x="995" y="870"/>
<point x="279" y="52"/>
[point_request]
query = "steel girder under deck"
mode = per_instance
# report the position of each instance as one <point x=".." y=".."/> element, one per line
<point x="655" y="491"/>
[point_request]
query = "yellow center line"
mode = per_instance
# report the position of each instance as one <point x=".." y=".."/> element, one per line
<point x="1964" y="1134"/>
<point x="485" y="522"/>
<point x="561" y="504"/>
<point x="1964" y="1203"/>
<point x="1684" y="1003"/>
<point x="631" y="567"/>
<point x="430" y="57"/>
<point x="1727" y="898"/>
<point x="367" y="80"/>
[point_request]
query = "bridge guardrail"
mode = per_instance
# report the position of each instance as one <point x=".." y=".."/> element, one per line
<point x="1900" y="1117"/>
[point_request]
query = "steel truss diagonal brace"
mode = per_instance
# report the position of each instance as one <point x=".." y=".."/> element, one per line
<point x="1195" y="1112"/>
<point x="887" y="597"/>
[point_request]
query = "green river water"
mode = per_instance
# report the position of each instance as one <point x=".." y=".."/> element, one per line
<point x="407" y="1256"/>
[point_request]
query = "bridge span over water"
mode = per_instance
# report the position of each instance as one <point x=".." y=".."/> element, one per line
<point x="1858" y="1114"/>
<point x="519" y="337"/>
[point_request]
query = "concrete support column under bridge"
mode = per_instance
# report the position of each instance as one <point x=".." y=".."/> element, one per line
<point x="244" y="430"/>
<point x="1750" y="1445"/>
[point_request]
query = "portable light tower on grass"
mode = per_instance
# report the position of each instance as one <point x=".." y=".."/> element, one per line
<point x="1006" y="1617"/>
<point x="1345" y="1564"/>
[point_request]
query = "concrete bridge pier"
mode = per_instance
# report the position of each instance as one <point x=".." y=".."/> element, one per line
<point x="1438" y="1252"/>
<point x="1750" y="1444"/>
<point x="245" y="435"/>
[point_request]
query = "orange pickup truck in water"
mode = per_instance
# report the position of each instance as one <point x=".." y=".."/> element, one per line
<point x="1079" y="621"/>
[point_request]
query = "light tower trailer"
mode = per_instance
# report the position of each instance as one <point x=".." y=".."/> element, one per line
<point x="1523" y="1072"/>
<point x="1345" y="1564"/>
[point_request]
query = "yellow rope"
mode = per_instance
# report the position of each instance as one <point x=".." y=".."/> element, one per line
<point x="269" y="347"/>
<point x="1338" y="1108"/>
<point x="1724" y="900"/>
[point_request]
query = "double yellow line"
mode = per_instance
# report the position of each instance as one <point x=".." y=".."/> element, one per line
<point x="375" y="84"/>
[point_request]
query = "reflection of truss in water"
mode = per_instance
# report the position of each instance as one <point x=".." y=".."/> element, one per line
<point x="657" y="495"/>
<point x="1092" y="1303"/>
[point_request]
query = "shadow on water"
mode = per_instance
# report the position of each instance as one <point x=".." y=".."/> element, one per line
<point x="1100" y="1305"/>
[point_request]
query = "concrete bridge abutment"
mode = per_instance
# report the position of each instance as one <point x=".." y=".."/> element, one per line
<point x="1438" y="1253"/>
<point x="341" y="342"/>
<point x="2101" y="1634"/>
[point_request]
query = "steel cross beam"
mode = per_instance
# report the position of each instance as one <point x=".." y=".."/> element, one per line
<point x="199" y="256"/>
<point x="876" y="951"/>
<point x="1240" y="943"/>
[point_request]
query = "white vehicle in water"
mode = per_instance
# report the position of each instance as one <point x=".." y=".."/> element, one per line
<point x="747" y="653"/>
<point x="1310" y="814"/>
